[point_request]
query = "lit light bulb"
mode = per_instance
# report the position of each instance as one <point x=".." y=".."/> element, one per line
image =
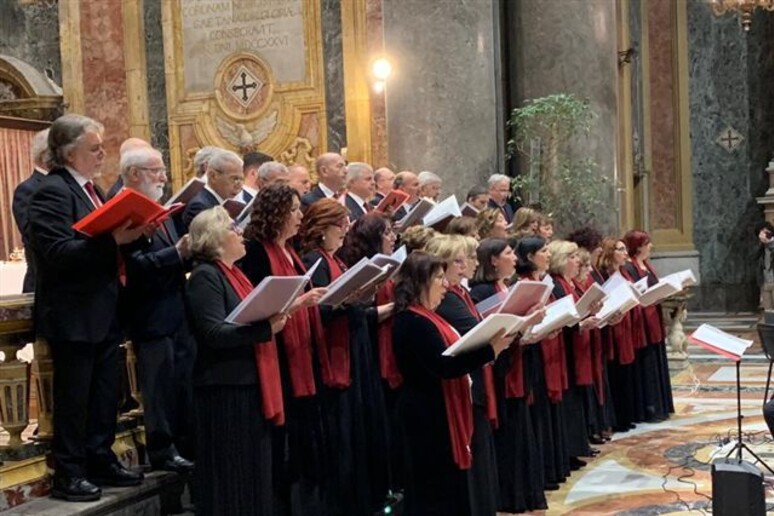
<point x="378" y="86"/>
<point x="381" y="69"/>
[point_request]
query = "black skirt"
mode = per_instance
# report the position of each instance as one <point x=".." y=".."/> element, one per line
<point x="549" y="427"/>
<point x="622" y="394"/>
<point x="657" y="386"/>
<point x="482" y="477"/>
<point x="519" y="460"/>
<point x="234" y="452"/>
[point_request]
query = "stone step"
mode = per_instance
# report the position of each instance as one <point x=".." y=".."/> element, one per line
<point x="160" y="493"/>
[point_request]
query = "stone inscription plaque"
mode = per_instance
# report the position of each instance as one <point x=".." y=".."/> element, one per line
<point x="215" y="29"/>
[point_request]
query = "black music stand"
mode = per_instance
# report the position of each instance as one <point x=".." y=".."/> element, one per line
<point x="740" y="445"/>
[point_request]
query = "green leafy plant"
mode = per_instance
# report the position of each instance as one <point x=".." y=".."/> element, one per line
<point x="559" y="175"/>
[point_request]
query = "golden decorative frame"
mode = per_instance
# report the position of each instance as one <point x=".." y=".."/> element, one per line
<point x="293" y="99"/>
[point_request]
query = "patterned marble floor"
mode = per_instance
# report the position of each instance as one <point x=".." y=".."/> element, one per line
<point x="664" y="469"/>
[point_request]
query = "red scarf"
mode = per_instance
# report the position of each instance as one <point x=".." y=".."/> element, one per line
<point x="388" y="365"/>
<point x="302" y="327"/>
<point x="265" y="354"/>
<point x="637" y="321"/>
<point x="456" y="396"/>
<point x="554" y="364"/>
<point x="581" y="340"/>
<point x="654" y="325"/>
<point x="337" y="334"/>
<point x="489" y="386"/>
<point x="595" y="350"/>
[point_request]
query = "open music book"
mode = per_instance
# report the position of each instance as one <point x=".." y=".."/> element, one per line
<point x="349" y="283"/>
<point x="518" y="299"/>
<point x="559" y="314"/>
<point x="720" y="342"/>
<point x="415" y="216"/>
<point x="619" y="301"/>
<point x="127" y="205"/>
<point x="480" y="335"/>
<point x="592" y="295"/>
<point x="273" y="295"/>
<point x="442" y="213"/>
<point x="392" y="201"/>
<point x="667" y="286"/>
<point x="187" y="192"/>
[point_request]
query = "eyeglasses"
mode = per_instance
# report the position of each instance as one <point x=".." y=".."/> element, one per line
<point x="235" y="228"/>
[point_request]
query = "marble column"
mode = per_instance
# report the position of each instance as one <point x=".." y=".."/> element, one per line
<point x="441" y="99"/>
<point x="569" y="47"/>
<point x="731" y="73"/>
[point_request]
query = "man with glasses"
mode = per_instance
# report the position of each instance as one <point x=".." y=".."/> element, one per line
<point x="152" y="314"/>
<point x="224" y="181"/>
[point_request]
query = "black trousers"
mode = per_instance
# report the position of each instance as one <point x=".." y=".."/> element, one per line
<point x="86" y="392"/>
<point x="165" y="366"/>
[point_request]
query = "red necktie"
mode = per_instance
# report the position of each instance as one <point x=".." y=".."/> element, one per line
<point x="89" y="186"/>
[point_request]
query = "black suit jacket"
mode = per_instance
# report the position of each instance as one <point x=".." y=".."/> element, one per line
<point x="151" y="304"/>
<point x="314" y="195"/>
<point x="76" y="291"/>
<point x="225" y="351"/>
<point x="354" y="209"/>
<point x="204" y="200"/>
<point x="117" y="186"/>
<point x="20" y="207"/>
<point x="507" y="210"/>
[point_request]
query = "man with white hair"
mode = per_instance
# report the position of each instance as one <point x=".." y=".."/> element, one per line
<point x="499" y="190"/>
<point x="201" y="158"/>
<point x="360" y="189"/>
<point x="224" y="181"/>
<point x="407" y="182"/>
<point x="21" y="201"/>
<point x="253" y="161"/>
<point x="331" y="175"/>
<point x="128" y="145"/>
<point x="272" y="172"/>
<point x="429" y="186"/>
<point x="299" y="179"/>
<point x="153" y="315"/>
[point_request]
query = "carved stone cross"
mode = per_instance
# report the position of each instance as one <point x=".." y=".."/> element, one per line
<point x="244" y="86"/>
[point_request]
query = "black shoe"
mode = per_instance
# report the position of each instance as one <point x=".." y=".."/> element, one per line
<point x="116" y="475"/>
<point x="576" y="463"/>
<point x="551" y="487"/>
<point x="593" y="452"/>
<point x="75" y="489"/>
<point x="175" y="464"/>
<point x="596" y="440"/>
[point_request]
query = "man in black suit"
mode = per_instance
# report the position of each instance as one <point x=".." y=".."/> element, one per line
<point x="252" y="163"/>
<point x="21" y="202"/>
<point x="153" y="315"/>
<point x="299" y="179"/>
<point x="360" y="189"/>
<point x="224" y="181"/>
<point x="406" y="182"/>
<point x="128" y="145"/>
<point x="76" y="296"/>
<point x="499" y="192"/>
<point x="384" y="178"/>
<point x="331" y="174"/>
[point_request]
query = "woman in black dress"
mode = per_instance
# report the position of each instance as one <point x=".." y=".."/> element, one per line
<point x="519" y="460"/>
<point x="236" y="377"/>
<point x="352" y="400"/>
<point x="658" y="385"/>
<point x="300" y="445"/>
<point x="435" y="399"/>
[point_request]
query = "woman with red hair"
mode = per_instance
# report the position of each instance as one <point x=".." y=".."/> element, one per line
<point x="657" y="388"/>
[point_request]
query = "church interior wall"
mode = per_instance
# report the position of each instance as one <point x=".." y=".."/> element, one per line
<point x="731" y="74"/>
<point x="30" y="31"/>
<point x="334" y="74"/>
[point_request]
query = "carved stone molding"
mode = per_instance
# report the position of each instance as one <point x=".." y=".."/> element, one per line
<point x="25" y="92"/>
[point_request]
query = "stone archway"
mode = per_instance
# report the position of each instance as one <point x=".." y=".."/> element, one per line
<point x="25" y="92"/>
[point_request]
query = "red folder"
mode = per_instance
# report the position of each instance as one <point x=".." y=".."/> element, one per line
<point x="234" y="208"/>
<point x="127" y="205"/>
<point x="392" y="201"/>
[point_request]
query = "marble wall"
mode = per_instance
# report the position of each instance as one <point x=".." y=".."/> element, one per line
<point x="334" y="74"/>
<point x="550" y="55"/>
<point x="441" y="100"/>
<point x="154" y="64"/>
<point x="729" y="86"/>
<point x="30" y="31"/>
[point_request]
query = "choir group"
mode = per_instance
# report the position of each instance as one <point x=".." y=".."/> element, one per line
<point x="345" y="409"/>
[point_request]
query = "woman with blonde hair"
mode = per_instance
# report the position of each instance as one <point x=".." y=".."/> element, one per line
<point x="525" y="222"/>
<point x="237" y="385"/>
<point x="492" y="224"/>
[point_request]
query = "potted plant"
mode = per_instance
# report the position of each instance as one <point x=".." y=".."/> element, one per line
<point x="559" y="175"/>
